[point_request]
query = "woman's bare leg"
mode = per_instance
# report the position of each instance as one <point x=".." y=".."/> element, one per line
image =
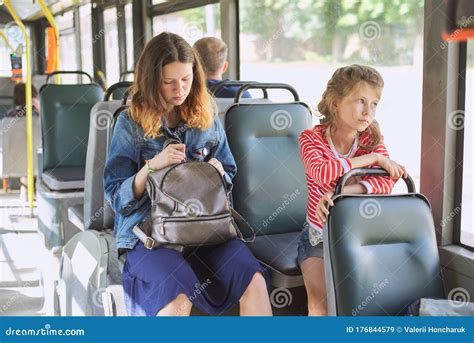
<point x="313" y="275"/>
<point x="255" y="300"/>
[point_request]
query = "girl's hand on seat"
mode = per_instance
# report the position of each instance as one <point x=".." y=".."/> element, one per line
<point x="217" y="164"/>
<point x="395" y="170"/>
<point x="322" y="209"/>
<point x="172" y="154"/>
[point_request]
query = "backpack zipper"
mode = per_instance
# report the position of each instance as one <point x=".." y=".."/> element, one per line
<point x="189" y="219"/>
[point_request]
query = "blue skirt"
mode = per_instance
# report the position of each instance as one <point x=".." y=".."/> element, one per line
<point x="213" y="278"/>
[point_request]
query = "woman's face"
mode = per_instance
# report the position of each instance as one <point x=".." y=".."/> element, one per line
<point x="356" y="111"/>
<point x="177" y="81"/>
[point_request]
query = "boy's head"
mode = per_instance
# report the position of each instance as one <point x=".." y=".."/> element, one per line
<point x="213" y="53"/>
<point x="19" y="94"/>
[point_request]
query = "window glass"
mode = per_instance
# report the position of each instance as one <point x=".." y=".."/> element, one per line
<point x="303" y="42"/>
<point x="191" y="24"/>
<point x="65" y="21"/>
<point x="467" y="215"/>
<point x="129" y="36"/>
<point x="86" y="39"/>
<point x="112" y="66"/>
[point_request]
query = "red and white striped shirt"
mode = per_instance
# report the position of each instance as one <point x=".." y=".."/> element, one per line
<point x="324" y="166"/>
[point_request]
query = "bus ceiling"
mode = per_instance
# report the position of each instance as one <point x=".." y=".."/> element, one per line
<point x="30" y="10"/>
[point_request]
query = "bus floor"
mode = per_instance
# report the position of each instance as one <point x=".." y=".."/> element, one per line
<point x="22" y="255"/>
<point x="27" y="268"/>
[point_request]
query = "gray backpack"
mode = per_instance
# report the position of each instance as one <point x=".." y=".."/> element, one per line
<point x="190" y="207"/>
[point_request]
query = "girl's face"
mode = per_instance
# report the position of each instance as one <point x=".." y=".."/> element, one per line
<point x="356" y="111"/>
<point x="176" y="83"/>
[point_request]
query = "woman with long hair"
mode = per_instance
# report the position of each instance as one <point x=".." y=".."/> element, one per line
<point x="170" y="99"/>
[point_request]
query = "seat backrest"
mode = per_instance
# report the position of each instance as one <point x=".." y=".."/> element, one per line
<point x="14" y="152"/>
<point x="97" y="211"/>
<point x="380" y="254"/>
<point x="270" y="186"/>
<point x="223" y="104"/>
<point x="65" y="111"/>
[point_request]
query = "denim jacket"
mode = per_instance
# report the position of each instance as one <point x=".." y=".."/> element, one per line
<point x="127" y="154"/>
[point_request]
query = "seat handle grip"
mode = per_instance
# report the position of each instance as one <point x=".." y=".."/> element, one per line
<point x="78" y="72"/>
<point x="114" y="87"/>
<point x="265" y="86"/>
<point x="369" y="171"/>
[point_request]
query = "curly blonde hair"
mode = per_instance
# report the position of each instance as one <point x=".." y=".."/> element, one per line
<point x="148" y="105"/>
<point x="340" y="85"/>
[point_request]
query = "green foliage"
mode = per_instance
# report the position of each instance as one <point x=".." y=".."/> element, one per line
<point x="326" y="26"/>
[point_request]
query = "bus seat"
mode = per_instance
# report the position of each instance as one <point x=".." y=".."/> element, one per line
<point x="89" y="265"/>
<point x="7" y="86"/>
<point x="380" y="252"/>
<point x="65" y="114"/>
<point x="76" y="216"/>
<point x="223" y="104"/>
<point x="14" y="154"/>
<point x="95" y="215"/>
<point x="97" y="211"/>
<point x="270" y="187"/>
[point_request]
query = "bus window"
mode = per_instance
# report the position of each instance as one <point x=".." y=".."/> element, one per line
<point x="191" y="24"/>
<point x="303" y="43"/>
<point x="67" y="46"/>
<point x="467" y="216"/>
<point x="112" y="65"/>
<point x="129" y="36"/>
<point x="86" y="39"/>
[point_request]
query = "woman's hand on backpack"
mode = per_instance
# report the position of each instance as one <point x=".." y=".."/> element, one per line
<point x="322" y="209"/>
<point x="172" y="154"/>
<point x="217" y="165"/>
<point x="395" y="170"/>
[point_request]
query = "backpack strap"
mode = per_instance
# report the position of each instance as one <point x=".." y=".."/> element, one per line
<point x="243" y="228"/>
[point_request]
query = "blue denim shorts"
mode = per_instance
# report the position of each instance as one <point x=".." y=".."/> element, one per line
<point x="305" y="249"/>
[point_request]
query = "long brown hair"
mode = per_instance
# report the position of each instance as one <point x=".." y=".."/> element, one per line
<point x="340" y="85"/>
<point x="148" y="105"/>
